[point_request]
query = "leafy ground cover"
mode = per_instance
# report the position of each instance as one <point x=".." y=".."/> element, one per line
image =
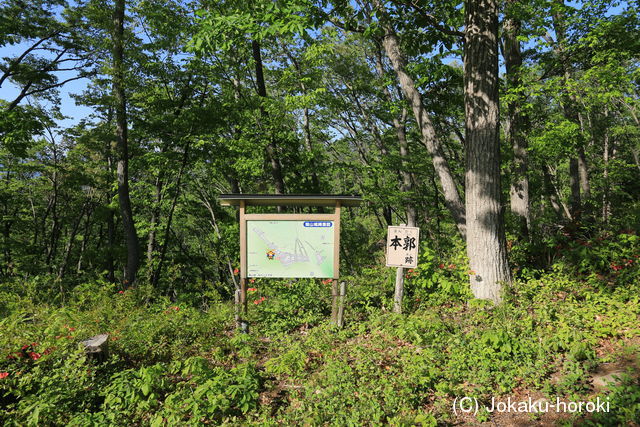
<point x="180" y="361"/>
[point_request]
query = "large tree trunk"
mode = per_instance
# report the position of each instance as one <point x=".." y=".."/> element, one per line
<point x="516" y="121"/>
<point x="131" y="237"/>
<point x="486" y="243"/>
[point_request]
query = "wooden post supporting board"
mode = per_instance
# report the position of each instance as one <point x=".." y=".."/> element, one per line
<point x="336" y="241"/>
<point x="404" y="240"/>
<point x="343" y="293"/>
<point x="334" y="302"/>
<point x="399" y="291"/>
<point x="243" y="258"/>
<point x="335" y="292"/>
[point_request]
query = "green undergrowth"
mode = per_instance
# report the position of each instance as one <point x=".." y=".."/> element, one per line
<point x="177" y="362"/>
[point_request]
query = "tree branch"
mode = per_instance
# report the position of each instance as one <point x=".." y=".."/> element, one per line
<point x="19" y="59"/>
<point x="430" y="18"/>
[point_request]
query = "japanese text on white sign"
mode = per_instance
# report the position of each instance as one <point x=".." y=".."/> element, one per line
<point x="402" y="246"/>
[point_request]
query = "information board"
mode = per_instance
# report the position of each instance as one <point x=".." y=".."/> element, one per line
<point x="290" y="248"/>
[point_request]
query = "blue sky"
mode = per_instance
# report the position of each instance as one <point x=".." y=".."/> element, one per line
<point x="68" y="107"/>
<point x="75" y="112"/>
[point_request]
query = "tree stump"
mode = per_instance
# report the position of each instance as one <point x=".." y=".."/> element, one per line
<point x="97" y="348"/>
<point x="243" y="326"/>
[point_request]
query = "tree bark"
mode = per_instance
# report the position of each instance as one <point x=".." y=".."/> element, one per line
<point x="554" y="194"/>
<point x="67" y="251"/>
<point x="517" y="122"/>
<point x="85" y="238"/>
<point x="306" y="127"/>
<point x="486" y="243"/>
<point x="153" y="228"/>
<point x="272" y="155"/>
<point x="131" y="237"/>
<point x="606" y="203"/>
<point x="155" y="277"/>
<point x="391" y="45"/>
<point x="578" y="177"/>
<point x="574" y="183"/>
<point x="406" y="185"/>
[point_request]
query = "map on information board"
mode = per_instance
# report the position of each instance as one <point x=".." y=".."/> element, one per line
<point x="290" y="248"/>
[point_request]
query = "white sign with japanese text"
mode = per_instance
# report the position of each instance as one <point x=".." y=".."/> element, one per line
<point x="402" y="246"/>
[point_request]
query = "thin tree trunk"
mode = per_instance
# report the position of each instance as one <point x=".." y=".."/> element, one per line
<point x="391" y="45"/>
<point x="574" y="183"/>
<point x="55" y="226"/>
<point x="155" y="216"/>
<point x="636" y="157"/>
<point x="85" y="238"/>
<point x="517" y="122"/>
<point x="486" y="242"/>
<point x="583" y="173"/>
<point x="67" y="251"/>
<point x="236" y="284"/>
<point x="406" y="185"/>
<point x="111" y="237"/>
<point x="606" y="204"/>
<point x="272" y="156"/>
<point x="158" y="271"/>
<point x="34" y="216"/>
<point x="315" y="182"/>
<point x="130" y="234"/>
<point x="6" y="230"/>
<point x="306" y="128"/>
<point x="635" y="153"/>
<point x="387" y="215"/>
<point x="577" y="163"/>
<point x="111" y="227"/>
<point x="554" y="194"/>
<point x="235" y="186"/>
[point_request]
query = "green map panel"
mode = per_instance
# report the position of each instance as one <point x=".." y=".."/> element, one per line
<point x="290" y="248"/>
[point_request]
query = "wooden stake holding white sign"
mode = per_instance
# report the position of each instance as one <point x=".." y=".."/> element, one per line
<point x="401" y="252"/>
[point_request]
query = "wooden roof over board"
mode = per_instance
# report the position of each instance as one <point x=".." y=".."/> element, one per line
<point x="289" y="199"/>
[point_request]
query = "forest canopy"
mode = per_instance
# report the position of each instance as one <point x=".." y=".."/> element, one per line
<point x="507" y="131"/>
